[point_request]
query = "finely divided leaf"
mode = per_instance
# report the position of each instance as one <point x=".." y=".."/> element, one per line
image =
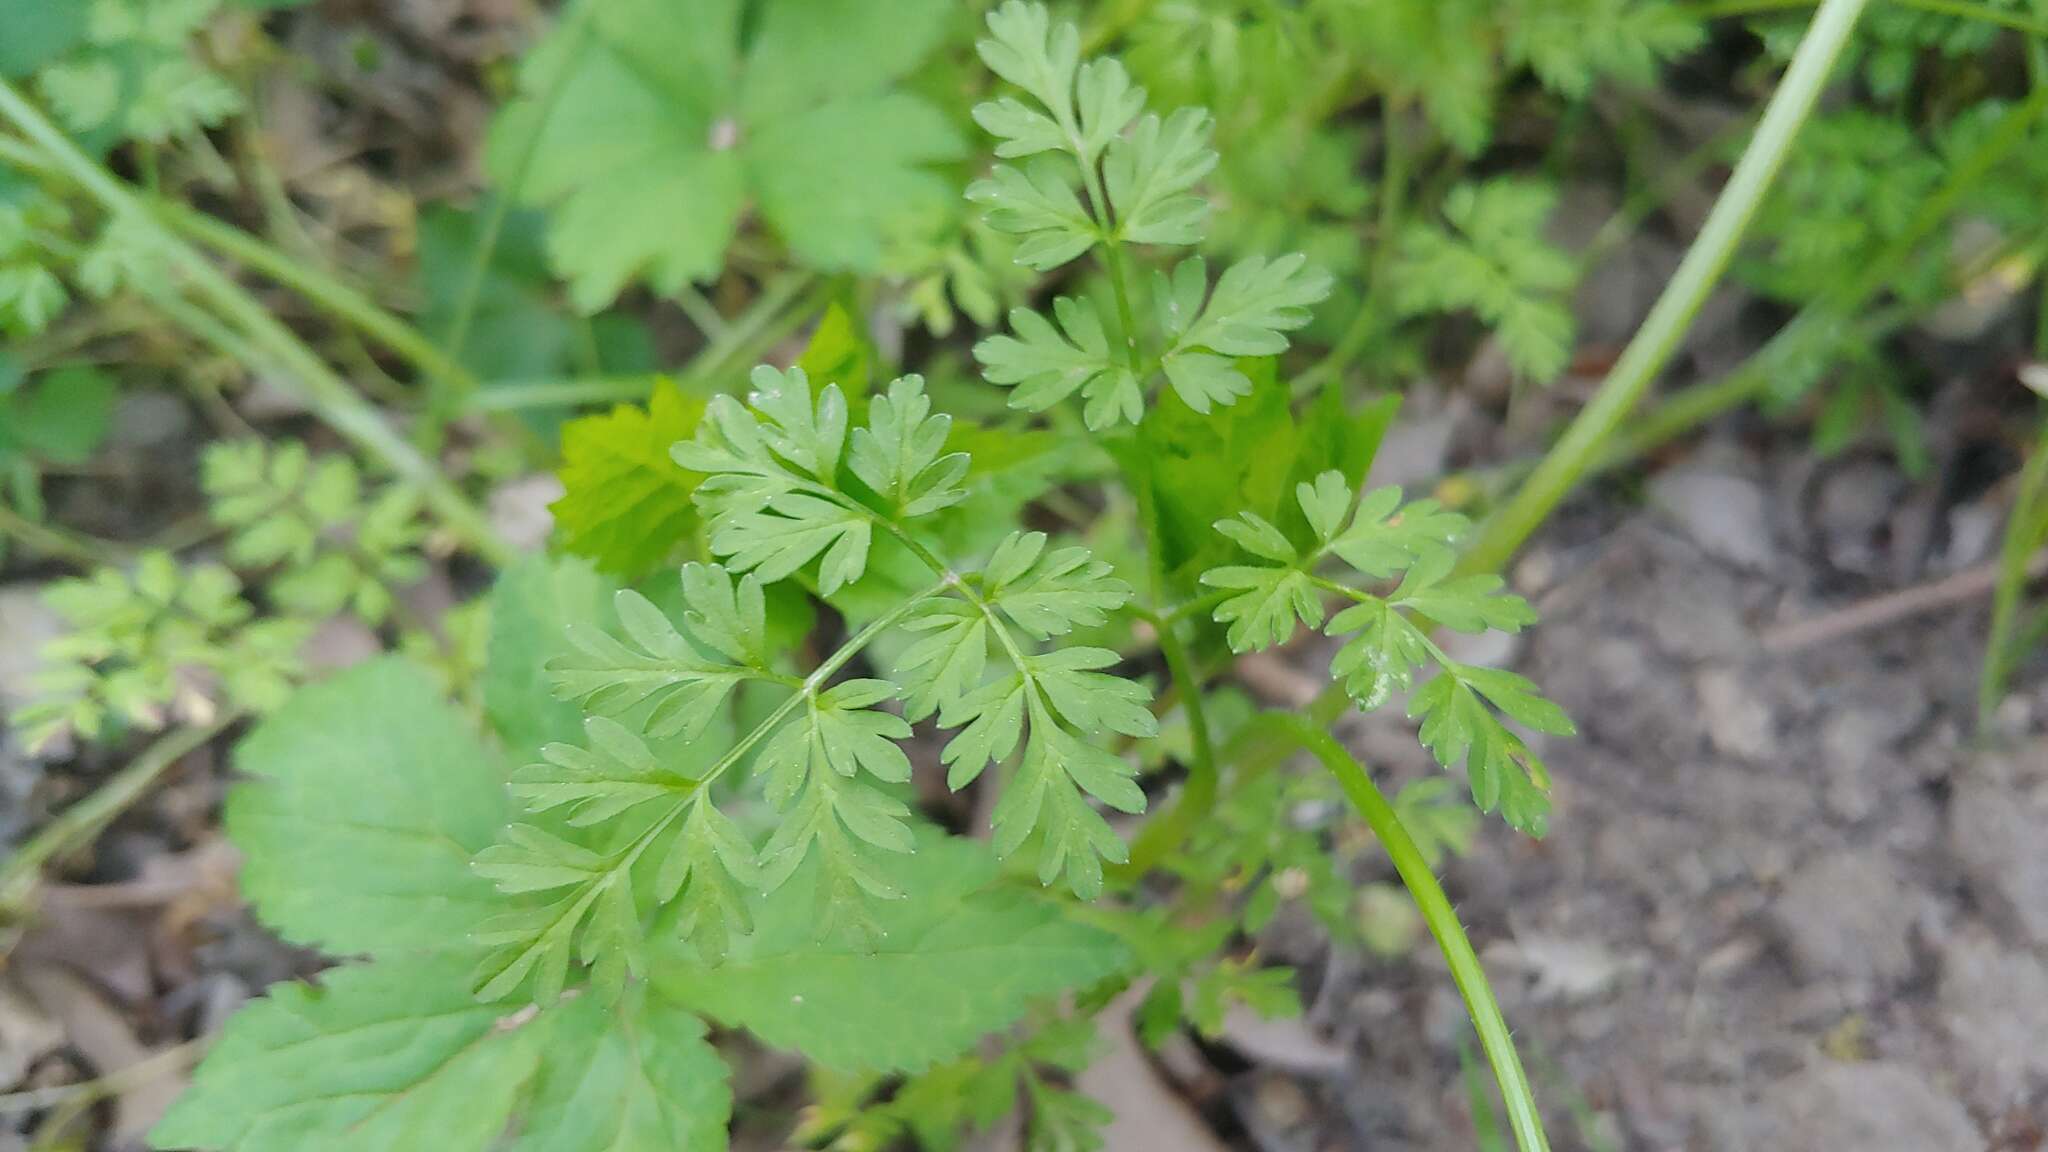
<point x="681" y="685"/>
<point x="1048" y="364"/>
<point x="1148" y="175"/>
<point x="1248" y="313"/>
<point x="901" y="453"/>
<point x="1496" y="261"/>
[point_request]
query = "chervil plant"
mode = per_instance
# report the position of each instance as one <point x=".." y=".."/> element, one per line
<point x="690" y="805"/>
<point x="664" y="781"/>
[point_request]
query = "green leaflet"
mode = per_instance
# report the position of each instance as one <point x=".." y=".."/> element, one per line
<point x="648" y="130"/>
<point x="1098" y="172"/>
<point x="962" y="959"/>
<point x="395" y="1056"/>
<point x="135" y="640"/>
<point x="1197" y="469"/>
<point x="1495" y="261"/>
<point x="625" y="504"/>
<point x="369" y="794"/>
<point x="330" y="544"/>
<point x="1380" y="537"/>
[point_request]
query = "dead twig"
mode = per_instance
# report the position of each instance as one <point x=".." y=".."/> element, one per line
<point x="1892" y="607"/>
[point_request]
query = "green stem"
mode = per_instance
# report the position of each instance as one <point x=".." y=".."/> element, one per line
<point x="323" y="290"/>
<point x="1442" y="920"/>
<point x="1704" y="262"/>
<point x="1170" y="829"/>
<point x="2024" y="530"/>
<point x="83" y="820"/>
<point x="1694" y="405"/>
<point x="1393" y="188"/>
<point x="319" y="385"/>
<point x="51" y="540"/>
<point x="320" y="288"/>
<point x="564" y="392"/>
<point x="1961" y="9"/>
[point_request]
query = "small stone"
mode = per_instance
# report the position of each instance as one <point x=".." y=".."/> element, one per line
<point x="1726" y="515"/>
<point x="1995" y="827"/>
<point x="1739" y="722"/>
<point x="1994" y="1002"/>
<point x="1852" y="744"/>
<point x="1876" y="1107"/>
<point x="1848" y="916"/>
<point x="1853" y="513"/>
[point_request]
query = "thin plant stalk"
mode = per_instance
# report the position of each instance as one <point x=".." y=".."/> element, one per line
<point x="1701" y="268"/>
<point x="78" y="824"/>
<point x="323" y="290"/>
<point x="1365" y="326"/>
<point x="501" y="204"/>
<point x="1524" y="1120"/>
<point x="2024" y="533"/>
<point x="1692" y="406"/>
<point x="319" y="287"/>
<point x="1960" y="9"/>
<point x="303" y="371"/>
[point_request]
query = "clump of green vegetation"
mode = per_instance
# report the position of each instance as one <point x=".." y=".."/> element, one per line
<point x="663" y="777"/>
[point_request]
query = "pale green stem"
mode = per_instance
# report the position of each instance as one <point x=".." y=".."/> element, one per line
<point x="1442" y="920"/>
<point x="317" y="384"/>
<point x="1961" y="9"/>
<point x="1698" y="272"/>
<point x="323" y="290"/>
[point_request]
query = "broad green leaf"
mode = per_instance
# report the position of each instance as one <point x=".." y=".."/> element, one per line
<point x="368" y="796"/>
<point x="390" y="1056"/>
<point x="647" y="129"/>
<point x="61" y="417"/>
<point x="963" y="959"/>
<point x="639" y="1076"/>
<point x="532" y="607"/>
<point x="625" y="502"/>
<point x="839" y="353"/>
<point x="38" y="32"/>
